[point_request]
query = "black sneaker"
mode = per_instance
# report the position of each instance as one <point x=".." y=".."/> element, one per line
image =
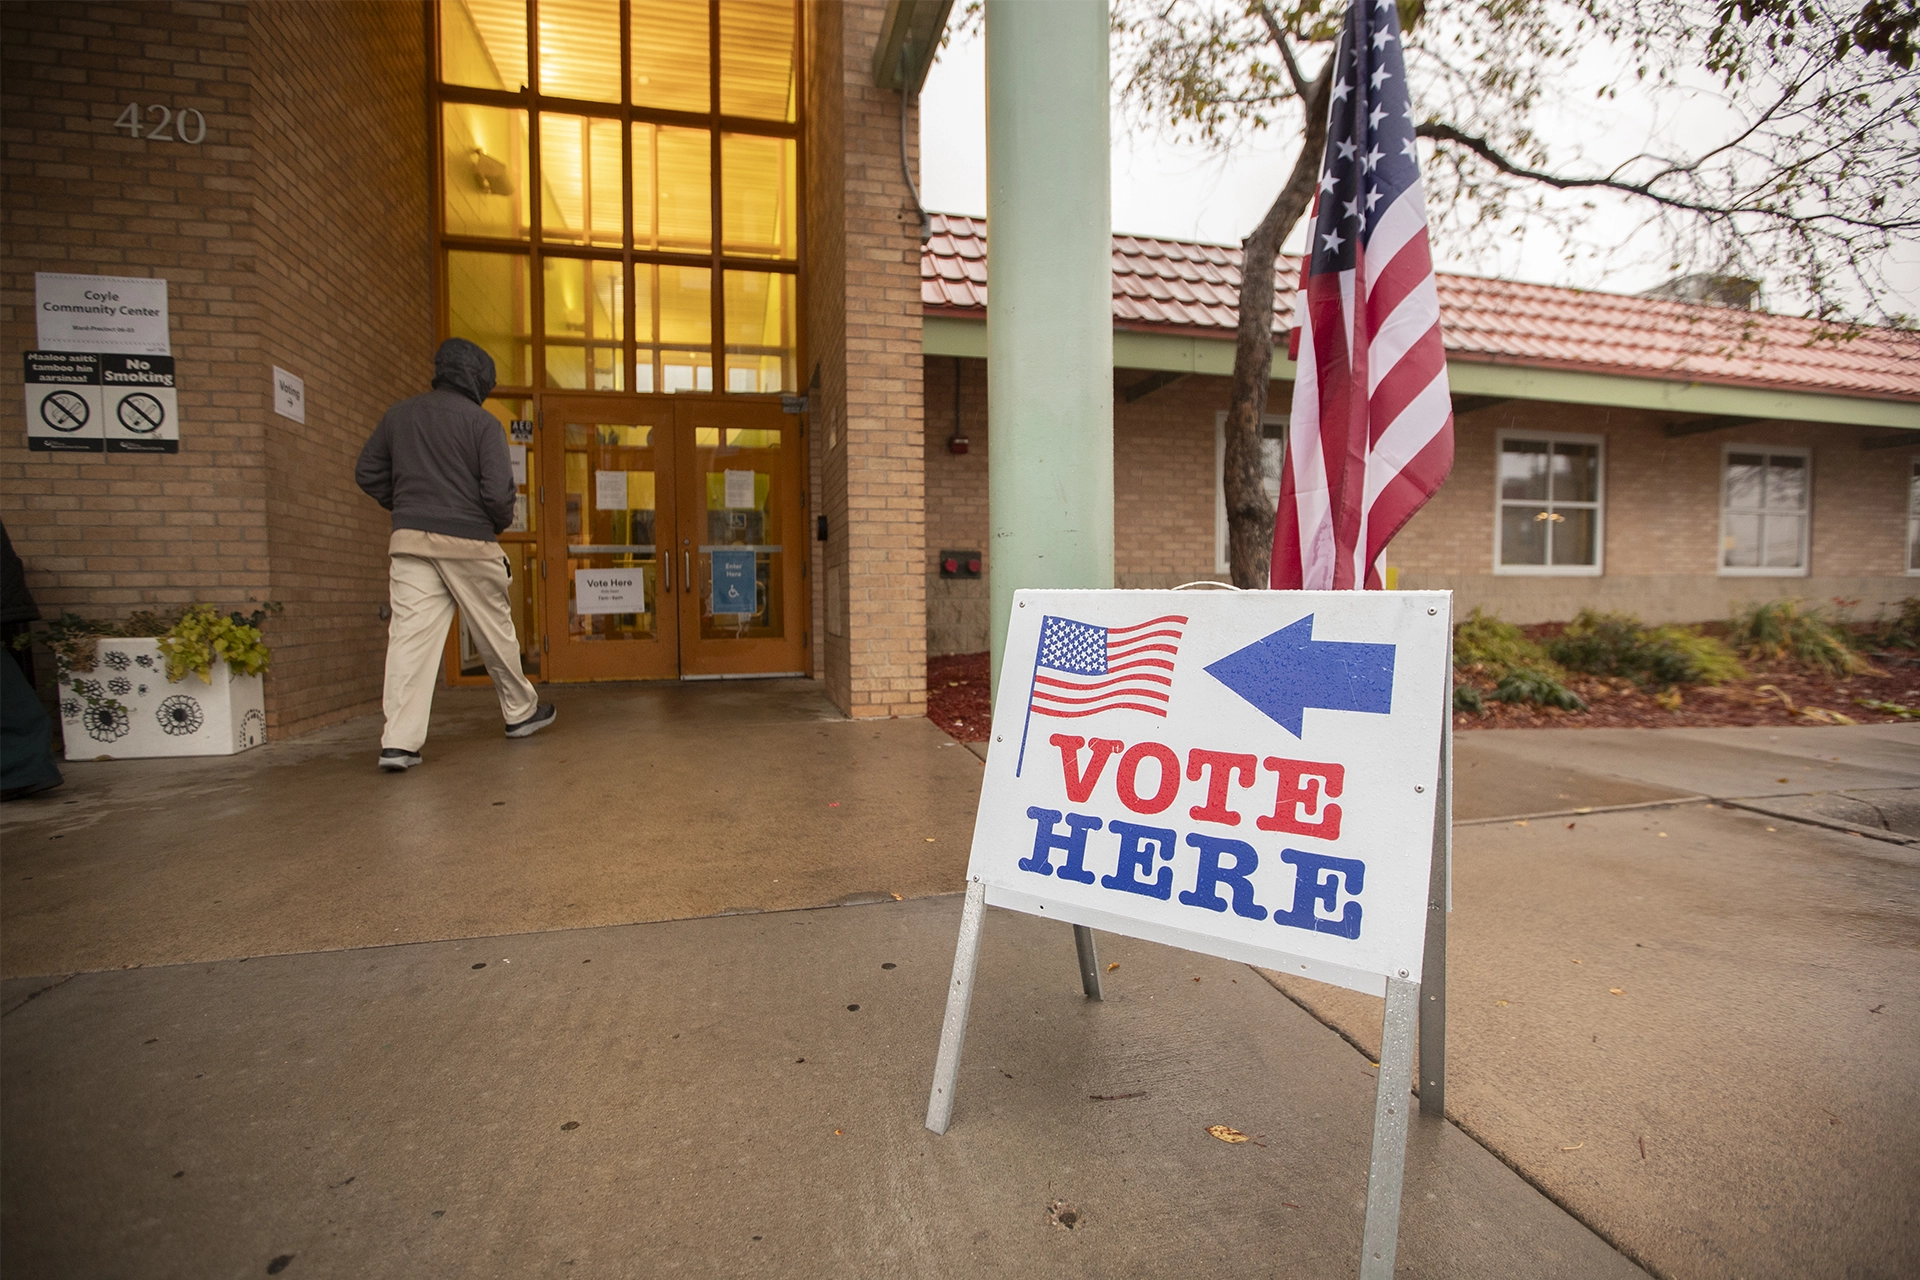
<point x="396" y="759"/>
<point x="542" y="717"/>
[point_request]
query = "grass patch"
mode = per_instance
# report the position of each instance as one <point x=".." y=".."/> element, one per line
<point x="1792" y="631"/>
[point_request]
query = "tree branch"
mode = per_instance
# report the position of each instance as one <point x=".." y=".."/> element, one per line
<point x="1300" y="84"/>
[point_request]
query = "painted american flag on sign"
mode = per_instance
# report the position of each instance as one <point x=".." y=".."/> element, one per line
<point x="1083" y="669"/>
<point x="1371" y="436"/>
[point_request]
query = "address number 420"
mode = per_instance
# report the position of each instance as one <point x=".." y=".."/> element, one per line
<point x="185" y="125"/>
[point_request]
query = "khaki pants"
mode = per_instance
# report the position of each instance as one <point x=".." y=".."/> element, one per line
<point x="424" y="594"/>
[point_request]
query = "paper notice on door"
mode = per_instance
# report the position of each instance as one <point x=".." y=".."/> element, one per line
<point x="609" y="590"/>
<point x="610" y="490"/>
<point x="740" y="489"/>
<point x="519" y="524"/>
<point x="518" y="454"/>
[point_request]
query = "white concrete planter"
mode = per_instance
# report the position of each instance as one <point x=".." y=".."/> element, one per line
<point x="125" y="708"/>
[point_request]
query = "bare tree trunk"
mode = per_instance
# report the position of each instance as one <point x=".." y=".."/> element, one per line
<point x="1249" y="515"/>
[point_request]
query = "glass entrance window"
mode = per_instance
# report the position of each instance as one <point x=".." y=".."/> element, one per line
<point x="612" y="508"/>
<point x="565" y="130"/>
<point x="739" y="573"/>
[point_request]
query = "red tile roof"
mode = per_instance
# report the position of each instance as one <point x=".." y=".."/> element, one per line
<point x="1176" y="286"/>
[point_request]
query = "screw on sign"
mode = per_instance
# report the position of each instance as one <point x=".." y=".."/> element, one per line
<point x="141" y="413"/>
<point x="64" y="411"/>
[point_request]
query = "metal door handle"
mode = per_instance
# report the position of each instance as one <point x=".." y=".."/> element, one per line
<point x="686" y="565"/>
<point x="667" y="564"/>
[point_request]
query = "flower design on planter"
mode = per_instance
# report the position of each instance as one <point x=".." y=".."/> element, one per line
<point x="144" y="659"/>
<point x="116" y="660"/>
<point x="69" y="708"/>
<point x="106" y="721"/>
<point x="253" y="729"/>
<point x="120" y="686"/>
<point x="143" y="691"/>
<point x="88" y="688"/>
<point x="179" y="715"/>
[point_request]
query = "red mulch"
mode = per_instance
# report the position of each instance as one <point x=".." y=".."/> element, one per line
<point x="957" y="700"/>
<point x="957" y="697"/>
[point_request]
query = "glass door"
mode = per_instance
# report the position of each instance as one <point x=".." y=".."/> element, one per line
<point x="743" y="598"/>
<point x="607" y="502"/>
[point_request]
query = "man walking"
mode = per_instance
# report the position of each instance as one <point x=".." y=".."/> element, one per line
<point x="439" y="462"/>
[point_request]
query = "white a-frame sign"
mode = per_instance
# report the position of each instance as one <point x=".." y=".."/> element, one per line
<point x="1261" y="776"/>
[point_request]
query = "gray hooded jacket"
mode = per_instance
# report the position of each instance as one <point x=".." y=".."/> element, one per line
<point x="439" y="461"/>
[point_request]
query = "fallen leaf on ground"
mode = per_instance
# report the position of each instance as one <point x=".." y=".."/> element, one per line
<point x="1290" y="1204"/>
<point x="1226" y="1134"/>
<point x="1615" y="991"/>
<point x="1575" y="1147"/>
<point x="929" y="839"/>
<point x="1113" y="966"/>
<point x="1501" y="1003"/>
<point x="896" y="897"/>
<point x="838" y="1134"/>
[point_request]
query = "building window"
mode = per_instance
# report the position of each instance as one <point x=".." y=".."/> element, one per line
<point x="1763" y="511"/>
<point x="1273" y="452"/>
<point x="1913" y="519"/>
<point x="618" y="191"/>
<point x="1550" y="509"/>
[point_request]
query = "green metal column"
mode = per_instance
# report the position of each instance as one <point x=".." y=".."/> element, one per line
<point x="1049" y="301"/>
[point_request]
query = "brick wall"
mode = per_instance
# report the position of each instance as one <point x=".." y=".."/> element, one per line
<point x="346" y="303"/>
<point x="864" y="329"/>
<point x="1662" y="523"/>
<point x="103" y="534"/>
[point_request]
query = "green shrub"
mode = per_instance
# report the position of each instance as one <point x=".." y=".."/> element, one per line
<point x="1902" y="631"/>
<point x="1494" y="648"/>
<point x="1538" y="688"/>
<point x="1713" y="662"/>
<point x="1618" y="644"/>
<point x="1791" y="631"/>
<point x="1467" y="698"/>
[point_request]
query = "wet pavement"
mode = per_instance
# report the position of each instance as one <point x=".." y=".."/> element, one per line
<point x="583" y="1004"/>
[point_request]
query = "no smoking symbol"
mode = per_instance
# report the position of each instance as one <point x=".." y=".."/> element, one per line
<point x="64" y="411"/>
<point x="141" y="413"/>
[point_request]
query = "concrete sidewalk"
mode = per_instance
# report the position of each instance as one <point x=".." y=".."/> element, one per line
<point x="311" y="1064"/>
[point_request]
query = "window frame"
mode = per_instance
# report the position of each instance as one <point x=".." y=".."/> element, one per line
<point x="534" y="250"/>
<point x="1913" y="516"/>
<point x="1282" y="420"/>
<point x="1805" y="567"/>
<point x="1598" y="568"/>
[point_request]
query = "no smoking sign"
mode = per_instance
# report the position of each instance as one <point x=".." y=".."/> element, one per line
<point x="84" y="402"/>
<point x="142" y="408"/>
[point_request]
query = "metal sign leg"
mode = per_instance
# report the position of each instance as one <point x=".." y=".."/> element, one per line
<point x="1390" y="1108"/>
<point x="1089" y="962"/>
<point x="1433" y="965"/>
<point x="953" y="1028"/>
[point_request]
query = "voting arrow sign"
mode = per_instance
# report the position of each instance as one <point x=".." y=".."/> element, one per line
<point x="1285" y="673"/>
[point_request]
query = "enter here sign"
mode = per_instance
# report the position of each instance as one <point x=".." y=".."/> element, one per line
<point x="1246" y="774"/>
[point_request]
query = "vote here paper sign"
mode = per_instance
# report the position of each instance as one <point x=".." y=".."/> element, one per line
<point x="1245" y="774"/>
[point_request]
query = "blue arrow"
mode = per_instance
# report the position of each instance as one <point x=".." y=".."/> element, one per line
<point x="1285" y="673"/>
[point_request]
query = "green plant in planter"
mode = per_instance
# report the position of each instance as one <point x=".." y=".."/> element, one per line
<point x="190" y="639"/>
<point x="203" y="635"/>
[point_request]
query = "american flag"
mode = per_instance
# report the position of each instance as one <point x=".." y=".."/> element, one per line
<point x="1081" y="669"/>
<point x="1371" y="437"/>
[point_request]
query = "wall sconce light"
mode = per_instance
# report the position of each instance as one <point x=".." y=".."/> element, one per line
<point x="490" y="174"/>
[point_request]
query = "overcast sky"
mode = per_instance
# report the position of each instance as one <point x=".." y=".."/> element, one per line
<point x="1185" y="192"/>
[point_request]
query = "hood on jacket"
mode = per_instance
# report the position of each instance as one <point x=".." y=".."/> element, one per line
<point x="461" y="366"/>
